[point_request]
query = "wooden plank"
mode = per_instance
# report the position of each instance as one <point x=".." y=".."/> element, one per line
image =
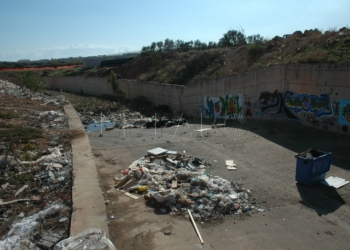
<point x="13" y="201"/>
<point x="131" y="195"/>
<point x="195" y="226"/>
<point x="21" y="190"/>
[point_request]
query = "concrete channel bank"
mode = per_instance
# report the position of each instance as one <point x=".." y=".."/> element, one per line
<point x="88" y="204"/>
<point x="313" y="95"/>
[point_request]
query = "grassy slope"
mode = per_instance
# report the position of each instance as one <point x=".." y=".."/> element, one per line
<point x="195" y="66"/>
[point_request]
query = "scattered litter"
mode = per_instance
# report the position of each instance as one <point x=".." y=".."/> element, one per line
<point x="174" y="184"/>
<point x="230" y="163"/>
<point x="112" y="217"/>
<point x="56" y="165"/>
<point x="157" y="151"/>
<point x="231" y="168"/>
<point x="172" y="152"/>
<point x="48" y="240"/>
<point x="167" y="232"/>
<point x="63" y="219"/>
<point x="4" y="186"/>
<point x="335" y="182"/>
<point x="131" y="195"/>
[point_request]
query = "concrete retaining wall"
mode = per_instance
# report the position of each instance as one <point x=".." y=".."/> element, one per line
<point x="310" y="94"/>
<point x="159" y="94"/>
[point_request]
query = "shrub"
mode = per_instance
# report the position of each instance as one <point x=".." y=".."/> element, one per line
<point x="141" y="100"/>
<point x="32" y="81"/>
<point x="318" y="56"/>
<point x="255" y="50"/>
<point x="113" y="81"/>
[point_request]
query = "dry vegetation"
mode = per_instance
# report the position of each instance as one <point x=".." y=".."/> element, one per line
<point x="310" y="46"/>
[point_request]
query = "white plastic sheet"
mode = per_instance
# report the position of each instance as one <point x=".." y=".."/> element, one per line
<point x="92" y="239"/>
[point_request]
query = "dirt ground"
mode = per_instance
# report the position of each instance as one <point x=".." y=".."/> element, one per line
<point x="296" y="216"/>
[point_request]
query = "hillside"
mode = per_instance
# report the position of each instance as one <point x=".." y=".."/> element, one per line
<point x="310" y="46"/>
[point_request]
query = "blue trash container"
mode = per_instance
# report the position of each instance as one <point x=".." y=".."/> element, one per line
<point x="312" y="170"/>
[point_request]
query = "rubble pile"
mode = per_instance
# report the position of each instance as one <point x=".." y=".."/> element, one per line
<point x="177" y="182"/>
<point x="35" y="168"/>
<point x="23" y="92"/>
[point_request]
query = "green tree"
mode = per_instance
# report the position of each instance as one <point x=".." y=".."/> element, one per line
<point x="169" y="45"/>
<point x="212" y="45"/>
<point x="254" y="38"/>
<point x="32" y="81"/>
<point x="179" y="44"/>
<point x="113" y="81"/>
<point x="160" y="46"/>
<point x="232" y="38"/>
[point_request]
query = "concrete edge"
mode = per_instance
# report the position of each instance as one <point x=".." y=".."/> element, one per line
<point x="89" y="209"/>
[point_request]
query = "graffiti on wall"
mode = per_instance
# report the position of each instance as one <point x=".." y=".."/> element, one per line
<point x="294" y="106"/>
<point x="344" y="112"/>
<point x="198" y="110"/>
<point x="247" y="105"/>
<point x="222" y="106"/>
<point x="274" y="104"/>
<point x="321" y="106"/>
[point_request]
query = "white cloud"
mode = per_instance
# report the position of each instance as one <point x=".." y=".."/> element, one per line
<point x="63" y="51"/>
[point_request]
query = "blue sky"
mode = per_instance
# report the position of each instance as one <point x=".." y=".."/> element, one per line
<point x="45" y="29"/>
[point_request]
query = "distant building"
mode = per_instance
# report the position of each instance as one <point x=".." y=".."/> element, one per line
<point x="95" y="61"/>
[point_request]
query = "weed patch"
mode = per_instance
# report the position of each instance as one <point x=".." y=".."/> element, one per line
<point x="19" y="134"/>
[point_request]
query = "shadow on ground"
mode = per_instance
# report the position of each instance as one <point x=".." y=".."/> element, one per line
<point x="321" y="198"/>
<point x="298" y="138"/>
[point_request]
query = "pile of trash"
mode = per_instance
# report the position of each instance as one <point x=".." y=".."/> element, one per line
<point x="177" y="182"/>
<point x="53" y="120"/>
<point x="27" y="186"/>
<point x="35" y="169"/>
<point x="126" y="120"/>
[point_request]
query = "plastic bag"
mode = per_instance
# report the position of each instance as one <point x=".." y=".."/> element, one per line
<point x="161" y="198"/>
<point x="92" y="239"/>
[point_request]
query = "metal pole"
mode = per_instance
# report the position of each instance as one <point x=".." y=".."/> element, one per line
<point x="123" y="124"/>
<point x="101" y="124"/>
<point x="155" y="125"/>
<point x="201" y="126"/>
<point x="178" y="124"/>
